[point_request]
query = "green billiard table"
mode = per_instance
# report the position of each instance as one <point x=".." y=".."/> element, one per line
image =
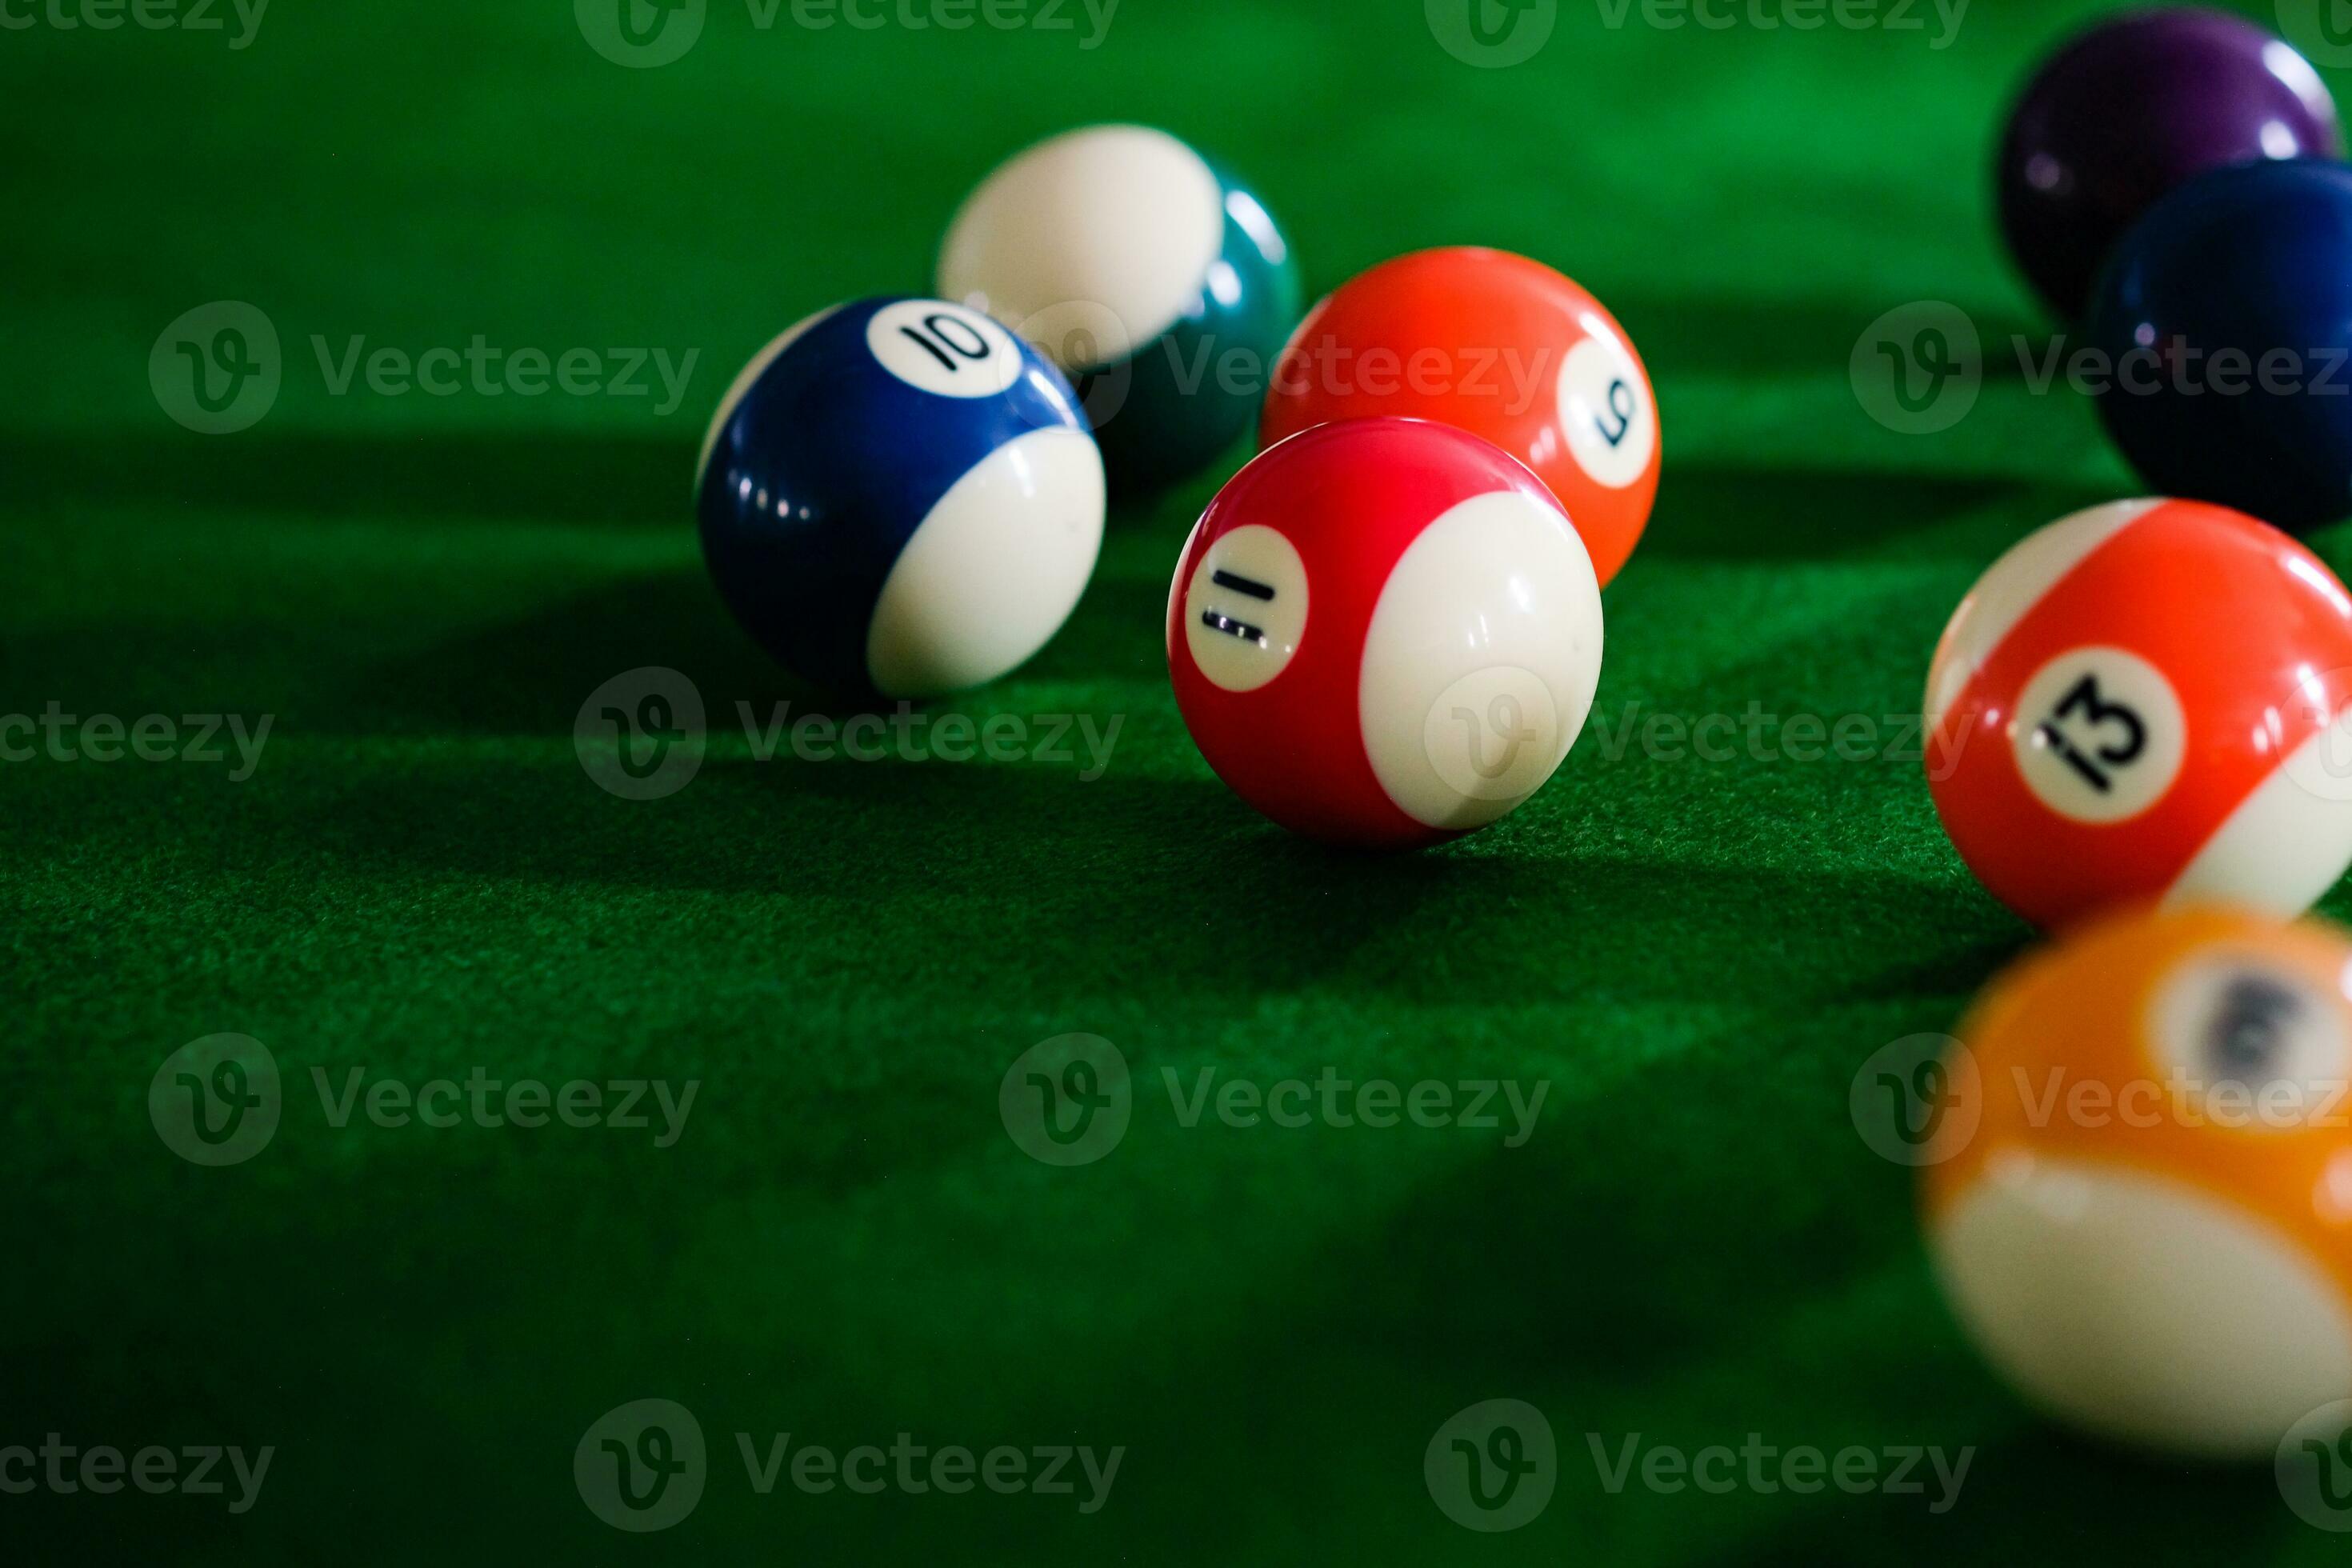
<point x="401" y="1093"/>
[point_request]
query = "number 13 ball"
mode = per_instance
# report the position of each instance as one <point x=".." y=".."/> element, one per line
<point x="2147" y="701"/>
<point x="1384" y="633"/>
<point x="900" y="497"/>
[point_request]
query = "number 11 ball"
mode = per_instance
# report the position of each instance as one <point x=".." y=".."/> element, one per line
<point x="899" y="498"/>
<point x="2150" y="701"/>
<point x="1384" y="633"/>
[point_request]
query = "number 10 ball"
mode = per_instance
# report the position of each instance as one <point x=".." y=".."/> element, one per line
<point x="2147" y="701"/>
<point x="899" y="498"/>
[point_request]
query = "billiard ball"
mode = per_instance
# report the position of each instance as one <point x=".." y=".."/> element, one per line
<point x="2226" y="319"/>
<point x="1384" y="633"/>
<point x="2132" y="110"/>
<point x="899" y="498"/>
<point x="1503" y="347"/>
<point x="2148" y="700"/>
<point x="1155" y="278"/>
<point x="2139" y="1191"/>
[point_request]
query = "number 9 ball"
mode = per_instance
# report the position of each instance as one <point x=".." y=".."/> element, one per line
<point x="2148" y="700"/>
<point x="1500" y="346"/>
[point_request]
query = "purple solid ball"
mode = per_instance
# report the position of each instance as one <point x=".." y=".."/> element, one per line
<point x="2133" y="109"/>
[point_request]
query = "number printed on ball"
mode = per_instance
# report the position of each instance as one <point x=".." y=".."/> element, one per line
<point x="1604" y="404"/>
<point x="1245" y="610"/>
<point x="2099" y="734"/>
<point x="940" y="349"/>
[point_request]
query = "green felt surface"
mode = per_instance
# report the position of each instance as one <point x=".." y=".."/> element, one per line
<point x="418" y="879"/>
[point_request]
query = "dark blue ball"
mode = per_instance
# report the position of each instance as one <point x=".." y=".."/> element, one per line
<point x="900" y="497"/>
<point x="2225" y="316"/>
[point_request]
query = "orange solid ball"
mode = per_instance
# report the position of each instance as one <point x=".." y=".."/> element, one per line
<point x="1502" y="347"/>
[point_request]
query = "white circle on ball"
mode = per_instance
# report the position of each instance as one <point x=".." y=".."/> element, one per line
<point x="943" y="348"/>
<point x="1493" y="734"/>
<point x="1499" y="582"/>
<point x="2249" y="1045"/>
<point x="1245" y="608"/>
<point x="2099" y="736"/>
<point x="1121" y="216"/>
<point x="1606" y="409"/>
